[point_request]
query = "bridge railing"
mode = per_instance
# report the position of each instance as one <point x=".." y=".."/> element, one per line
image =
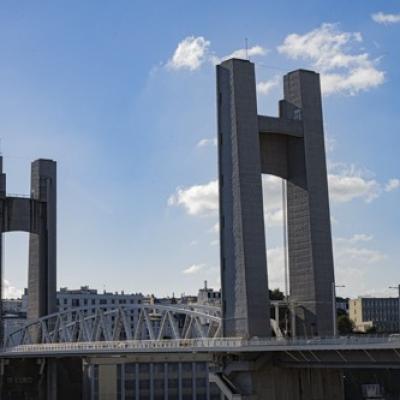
<point x="204" y="344"/>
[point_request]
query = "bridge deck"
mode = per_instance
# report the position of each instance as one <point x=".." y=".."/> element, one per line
<point x="218" y="345"/>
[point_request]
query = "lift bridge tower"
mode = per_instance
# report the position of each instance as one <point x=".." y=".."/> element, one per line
<point x="36" y="215"/>
<point x="290" y="147"/>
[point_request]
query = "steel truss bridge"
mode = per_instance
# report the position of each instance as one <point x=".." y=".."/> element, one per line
<point x="134" y="322"/>
<point x="131" y="323"/>
<point x="163" y="330"/>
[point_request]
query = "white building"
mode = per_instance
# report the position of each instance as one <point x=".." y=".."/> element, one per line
<point x="90" y="298"/>
<point x="209" y="296"/>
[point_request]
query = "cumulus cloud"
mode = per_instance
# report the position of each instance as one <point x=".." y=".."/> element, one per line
<point x="197" y="199"/>
<point x="331" y="51"/>
<point x="203" y="199"/>
<point x="253" y="51"/>
<point x="11" y="292"/>
<point x="347" y="183"/>
<point x="265" y="87"/>
<point x="190" y="54"/>
<point x="193" y="269"/>
<point x="386" y="19"/>
<point x="393" y="184"/>
<point x="207" y="142"/>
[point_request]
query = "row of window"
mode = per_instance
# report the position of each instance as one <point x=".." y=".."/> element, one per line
<point x="85" y="302"/>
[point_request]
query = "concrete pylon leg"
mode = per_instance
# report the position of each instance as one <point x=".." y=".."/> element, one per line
<point x="51" y="379"/>
<point x="88" y="379"/>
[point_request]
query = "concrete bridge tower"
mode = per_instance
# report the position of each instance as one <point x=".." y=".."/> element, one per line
<point x="37" y="216"/>
<point x="291" y="147"/>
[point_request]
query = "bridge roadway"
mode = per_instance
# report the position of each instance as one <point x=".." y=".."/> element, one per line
<point x="379" y="351"/>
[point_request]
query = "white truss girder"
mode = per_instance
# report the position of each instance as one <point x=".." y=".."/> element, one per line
<point x="125" y="322"/>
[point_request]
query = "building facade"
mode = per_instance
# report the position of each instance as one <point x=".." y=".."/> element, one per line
<point x="209" y="296"/>
<point x="374" y="312"/>
<point x="184" y="379"/>
<point x="91" y="298"/>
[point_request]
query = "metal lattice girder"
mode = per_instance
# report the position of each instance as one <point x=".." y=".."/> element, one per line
<point x="127" y="322"/>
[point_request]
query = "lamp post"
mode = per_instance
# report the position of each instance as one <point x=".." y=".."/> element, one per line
<point x="334" y="307"/>
<point x="398" y="288"/>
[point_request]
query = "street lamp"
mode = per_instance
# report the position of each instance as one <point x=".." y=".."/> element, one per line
<point x="334" y="307"/>
<point x="398" y="288"/>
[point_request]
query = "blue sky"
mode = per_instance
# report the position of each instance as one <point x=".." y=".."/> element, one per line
<point x="122" y="95"/>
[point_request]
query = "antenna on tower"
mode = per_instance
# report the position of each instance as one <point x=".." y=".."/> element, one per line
<point x="246" y="48"/>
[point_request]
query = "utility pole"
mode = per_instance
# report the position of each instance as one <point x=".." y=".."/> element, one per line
<point x="398" y="288"/>
<point x="334" y="316"/>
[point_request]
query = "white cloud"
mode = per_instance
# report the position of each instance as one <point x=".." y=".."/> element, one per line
<point x="265" y="87"/>
<point x="360" y="237"/>
<point x="11" y="292"/>
<point x="330" y="51"/>
<point x="272" y="193"/>
<point x="207" y="142"/>
<point x="193" y="269"/>
<point x="198" y="199"/>
<point x="386" y="19"/>
<point x="276" y="268"/>
<point x="190" y="54"/>
<point x="346" y="188"/>
<point x="347" y="183"/>
<point x="274" y="217"/>
<point x="393" y="184"/>
<point x="354" y="257"/>
<point x="244" y="54"/>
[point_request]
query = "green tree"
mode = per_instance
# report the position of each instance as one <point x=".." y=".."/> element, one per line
<point x="276" y="294"/>
<point x="371" y="329"/>
<point x="345" y="325"/>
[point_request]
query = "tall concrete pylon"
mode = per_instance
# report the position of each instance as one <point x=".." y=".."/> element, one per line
<point x="291" y="147"/>
<point x="36" y="215"/>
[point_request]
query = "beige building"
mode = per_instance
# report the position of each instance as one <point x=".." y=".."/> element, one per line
<point x="380" y="313"/>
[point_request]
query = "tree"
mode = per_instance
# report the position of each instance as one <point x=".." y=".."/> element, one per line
<point x="276" y="294"/>
<point x="345" y="325"/>
<point x="371" y="329"/>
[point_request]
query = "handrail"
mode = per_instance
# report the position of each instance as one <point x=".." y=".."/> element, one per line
<point x="180" y="345"/>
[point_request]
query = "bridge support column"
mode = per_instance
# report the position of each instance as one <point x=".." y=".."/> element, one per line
<point x="87" y="380"/>
<point x="51" y="379"/>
